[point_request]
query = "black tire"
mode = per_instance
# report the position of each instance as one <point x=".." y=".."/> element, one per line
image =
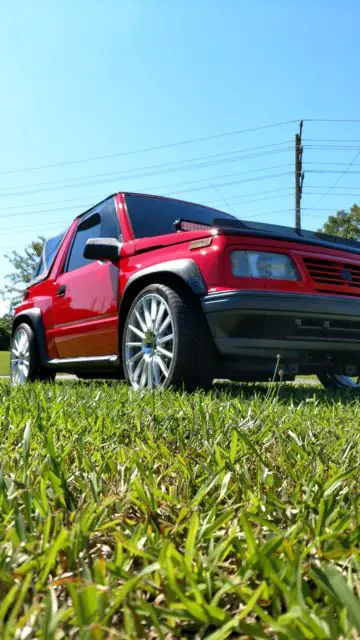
<point x="33" y="370"/>
<point x="192" y="363"/>
<point x="337" y="381"/>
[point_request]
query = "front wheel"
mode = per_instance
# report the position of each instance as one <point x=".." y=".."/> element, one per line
<point x="166" y="341"/>
<point x="337" y="381"/>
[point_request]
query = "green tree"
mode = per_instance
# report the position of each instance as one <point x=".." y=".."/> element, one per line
<point x="23" y="264"/>
<point x="5" y="332"/>
<point x="344" y="223"/>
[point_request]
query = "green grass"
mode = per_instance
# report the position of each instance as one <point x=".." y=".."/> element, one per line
<point x="4" y="363"/>
<point x="228" y="515"/>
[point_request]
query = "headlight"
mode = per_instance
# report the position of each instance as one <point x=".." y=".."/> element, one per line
<point x="261" y="264"/>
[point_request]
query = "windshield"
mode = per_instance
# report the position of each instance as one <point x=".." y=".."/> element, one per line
<point x="48" y="256"/>
<point x="152" y="216"/>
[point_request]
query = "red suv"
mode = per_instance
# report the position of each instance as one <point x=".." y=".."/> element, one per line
<point x="166" y="292"/>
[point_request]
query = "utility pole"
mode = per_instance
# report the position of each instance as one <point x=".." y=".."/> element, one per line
<point x="299" y="177"/>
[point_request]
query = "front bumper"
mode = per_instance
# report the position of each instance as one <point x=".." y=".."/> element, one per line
<point x="298" y="327"/>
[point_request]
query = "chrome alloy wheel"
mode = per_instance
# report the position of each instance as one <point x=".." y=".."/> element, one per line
<point x="149" y="342"/>
<point x="20" y="357"/>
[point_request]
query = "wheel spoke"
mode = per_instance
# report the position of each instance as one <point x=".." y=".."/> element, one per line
<point x="143" y="378"/>
<point x="139" y="369"/>
<point x="156" y="370"/>
<point x="159" y="316"/>
<point x="162" y="366"/>
<point x="139" y="333"/>
<point x="133" y="344"/>
<point x="22" y="341"/>
<point x="153" y="311"/>
<point x="135" y="357"/>
<point x="24" y="369"/>
<point x="140" y="321"/>
<point x="166" y="353"/>
<point x="165" y="324"/>
<point x="165" y="338"/>
<point x="147" y="315"/>
<point x="150" y="381"/>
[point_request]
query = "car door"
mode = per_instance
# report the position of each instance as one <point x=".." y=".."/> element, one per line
<point x="86" y="293"/>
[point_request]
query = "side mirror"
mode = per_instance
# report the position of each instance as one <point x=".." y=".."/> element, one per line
<point x="102" y="249"/>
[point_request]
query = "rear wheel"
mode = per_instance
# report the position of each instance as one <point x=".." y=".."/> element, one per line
<point x="25" y="364"/>
<point x="166" y="341"/>
<point x="337" y="381"/>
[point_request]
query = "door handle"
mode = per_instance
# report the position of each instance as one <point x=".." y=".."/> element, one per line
<point x="61" y="290"/>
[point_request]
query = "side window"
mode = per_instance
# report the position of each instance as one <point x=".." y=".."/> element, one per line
<point x="88" y="228"/>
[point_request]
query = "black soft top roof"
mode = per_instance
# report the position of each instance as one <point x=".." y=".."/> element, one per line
<point x="263" y="229"/>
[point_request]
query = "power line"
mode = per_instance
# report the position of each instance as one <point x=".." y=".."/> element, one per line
<point x="332" y="147"/>
<point x="335" y="171"/>
<point x="172" y="144"/>
<point x="226" y="184"/>
<point x="340" y="177"/>
<point x="208" y="180"/>
<point x="334" y="194"/>
<point x="324" y="186"/>
<point x="168" y="168"/>
<point x="87" y="205"/>
<point x="318" y="209"/>
<point x="37" y="212"/>
<point x="328" y="120"/>
<point x="41" y="204"/>
<point x="268" y="213"/>
<point x="39" y="227"/>
<point x="175" y="184"/>
<point x="258" y="193"/>
<point x="103" y="182"/>
<point x="337" y="140"/>
<point x="340" y="164"/>
<point x="147" y="149"/>
<point x="284" y="195"/>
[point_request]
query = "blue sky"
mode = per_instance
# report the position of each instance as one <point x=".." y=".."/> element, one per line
<point x="88" y="79"/>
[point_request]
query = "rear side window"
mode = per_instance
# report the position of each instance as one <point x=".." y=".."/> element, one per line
<point x="88" y="228"/>
<point x="49" y="253"/>
<point x="151" y="216"/>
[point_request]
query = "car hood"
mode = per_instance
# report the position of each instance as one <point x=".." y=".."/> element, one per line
<point x="279" y="232"/>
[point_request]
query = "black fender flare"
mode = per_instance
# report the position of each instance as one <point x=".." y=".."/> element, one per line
<point x="185" y="268"/>
<point x="33" y="318"/>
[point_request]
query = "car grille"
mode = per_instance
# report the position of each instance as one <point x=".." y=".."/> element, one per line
<point x="333" y="276"/>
